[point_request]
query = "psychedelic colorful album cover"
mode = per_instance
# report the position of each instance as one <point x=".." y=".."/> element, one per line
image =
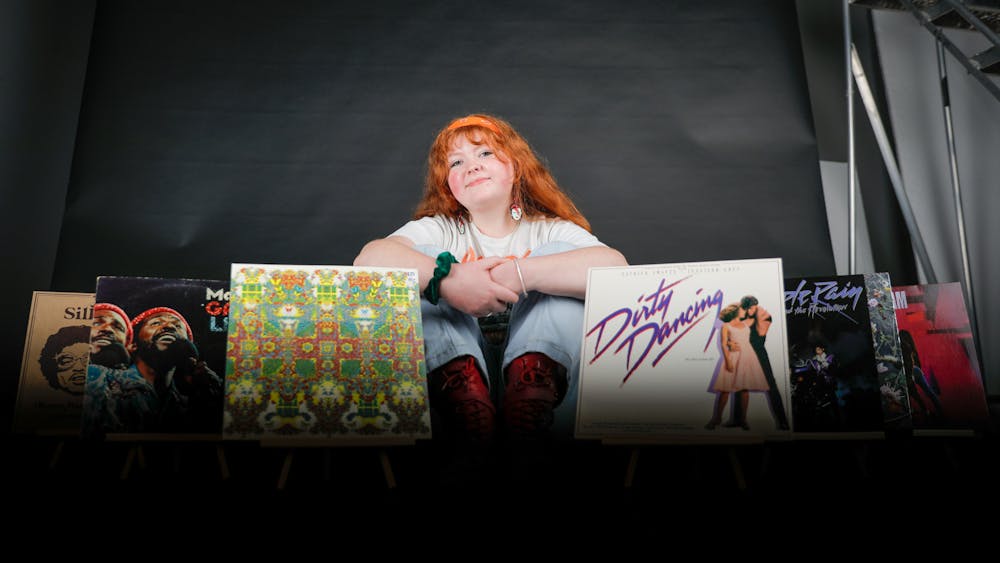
<point x="54" y="365"/>
<point x="939" y="358"/>
<point x="158" y="349"/>
<point x="326" y="353"/>
<point x="835" y="383"/>
<point x="690" y="351"/>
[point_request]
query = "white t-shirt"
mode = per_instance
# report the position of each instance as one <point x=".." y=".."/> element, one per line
<point x="444" y="232"/>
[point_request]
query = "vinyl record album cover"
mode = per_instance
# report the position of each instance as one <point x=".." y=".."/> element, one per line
<point x="690" y="351"/>
<point x="835" y="383"/>
<point x="325" y="353"/>
<point x="939" y="358"/>
<point x="888" y="353"/>
<point x="54" y="365"/>
<point x="158" y="357"/>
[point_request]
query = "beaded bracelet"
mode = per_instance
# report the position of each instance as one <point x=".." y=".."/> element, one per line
<point x="444" y="262"/>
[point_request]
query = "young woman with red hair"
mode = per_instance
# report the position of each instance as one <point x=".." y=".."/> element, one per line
<point x="493" y="231"/>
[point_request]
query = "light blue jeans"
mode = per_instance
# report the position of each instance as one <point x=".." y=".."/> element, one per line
<point x="542" y="323"/>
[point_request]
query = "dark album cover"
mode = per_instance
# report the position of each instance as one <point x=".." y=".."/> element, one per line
<point x="158" y="357"/>
<point x="835" y="384"/>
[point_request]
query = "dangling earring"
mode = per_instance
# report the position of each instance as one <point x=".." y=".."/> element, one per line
<point x="461" y="226"/>
<point x="515" y="212"/>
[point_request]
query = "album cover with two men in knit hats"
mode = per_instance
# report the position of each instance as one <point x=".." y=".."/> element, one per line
<point x="157" y="362"/>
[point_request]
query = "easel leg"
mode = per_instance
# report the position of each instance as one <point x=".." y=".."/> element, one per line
<point x="695" y="465"/>
<point x="633" y="461"/>
<point x="220" y="454"/>
<point x="949" y="452"/>
<point x="861" y="454"/>
<point x="765" y="461"/>
<point x="390" y="479"/>
<point x="54" y="460"/>
<point x="734" y="462"/>
<point x="127" y="467"/>
<point x="285" y="468"/>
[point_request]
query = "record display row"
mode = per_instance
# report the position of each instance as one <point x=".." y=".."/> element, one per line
<point x="704" y="352"/>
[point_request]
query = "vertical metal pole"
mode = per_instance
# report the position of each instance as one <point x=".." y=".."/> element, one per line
<point x="895" y="178"/>
<point x="957" y="193"/>
<point x="852" y="239"/>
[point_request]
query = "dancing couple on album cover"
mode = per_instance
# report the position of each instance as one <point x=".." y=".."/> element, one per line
<point x="745" y="365"/>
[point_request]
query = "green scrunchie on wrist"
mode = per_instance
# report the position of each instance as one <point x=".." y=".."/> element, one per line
<point x="444" y="262"/>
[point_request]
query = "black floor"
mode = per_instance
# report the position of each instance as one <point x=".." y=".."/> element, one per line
<point x="922" y="486"/>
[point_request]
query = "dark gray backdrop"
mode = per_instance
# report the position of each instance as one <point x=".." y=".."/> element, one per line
<point x="293" y="132"/>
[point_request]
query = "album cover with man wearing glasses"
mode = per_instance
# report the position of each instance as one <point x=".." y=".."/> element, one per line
<point x="54" y="365"/>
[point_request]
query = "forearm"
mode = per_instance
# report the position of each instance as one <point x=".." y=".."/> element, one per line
<point x="565" y="273"/>
<point x="727" y="347"/>
<point x="467" y="287"/>
<point x="764" y="320"/>
<point x="396" y="252"/>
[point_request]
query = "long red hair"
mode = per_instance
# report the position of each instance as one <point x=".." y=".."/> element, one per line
<point x="534" y="187"/>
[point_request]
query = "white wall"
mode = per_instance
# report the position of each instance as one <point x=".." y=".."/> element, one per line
<point x="835" y="193"/>
<point x="909" y="62"/>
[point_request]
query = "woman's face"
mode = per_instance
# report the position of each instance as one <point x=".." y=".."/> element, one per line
<point x="478" y="179"/>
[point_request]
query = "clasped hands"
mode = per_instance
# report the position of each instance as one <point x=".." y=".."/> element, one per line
<point x="483" y="287"/>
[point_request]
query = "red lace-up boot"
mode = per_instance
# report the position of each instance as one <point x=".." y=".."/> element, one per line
<point x="458" y="392"/>
<point x="535" y="385"/>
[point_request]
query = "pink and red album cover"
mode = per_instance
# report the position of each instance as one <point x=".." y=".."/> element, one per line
<point x="939" y="357"/>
